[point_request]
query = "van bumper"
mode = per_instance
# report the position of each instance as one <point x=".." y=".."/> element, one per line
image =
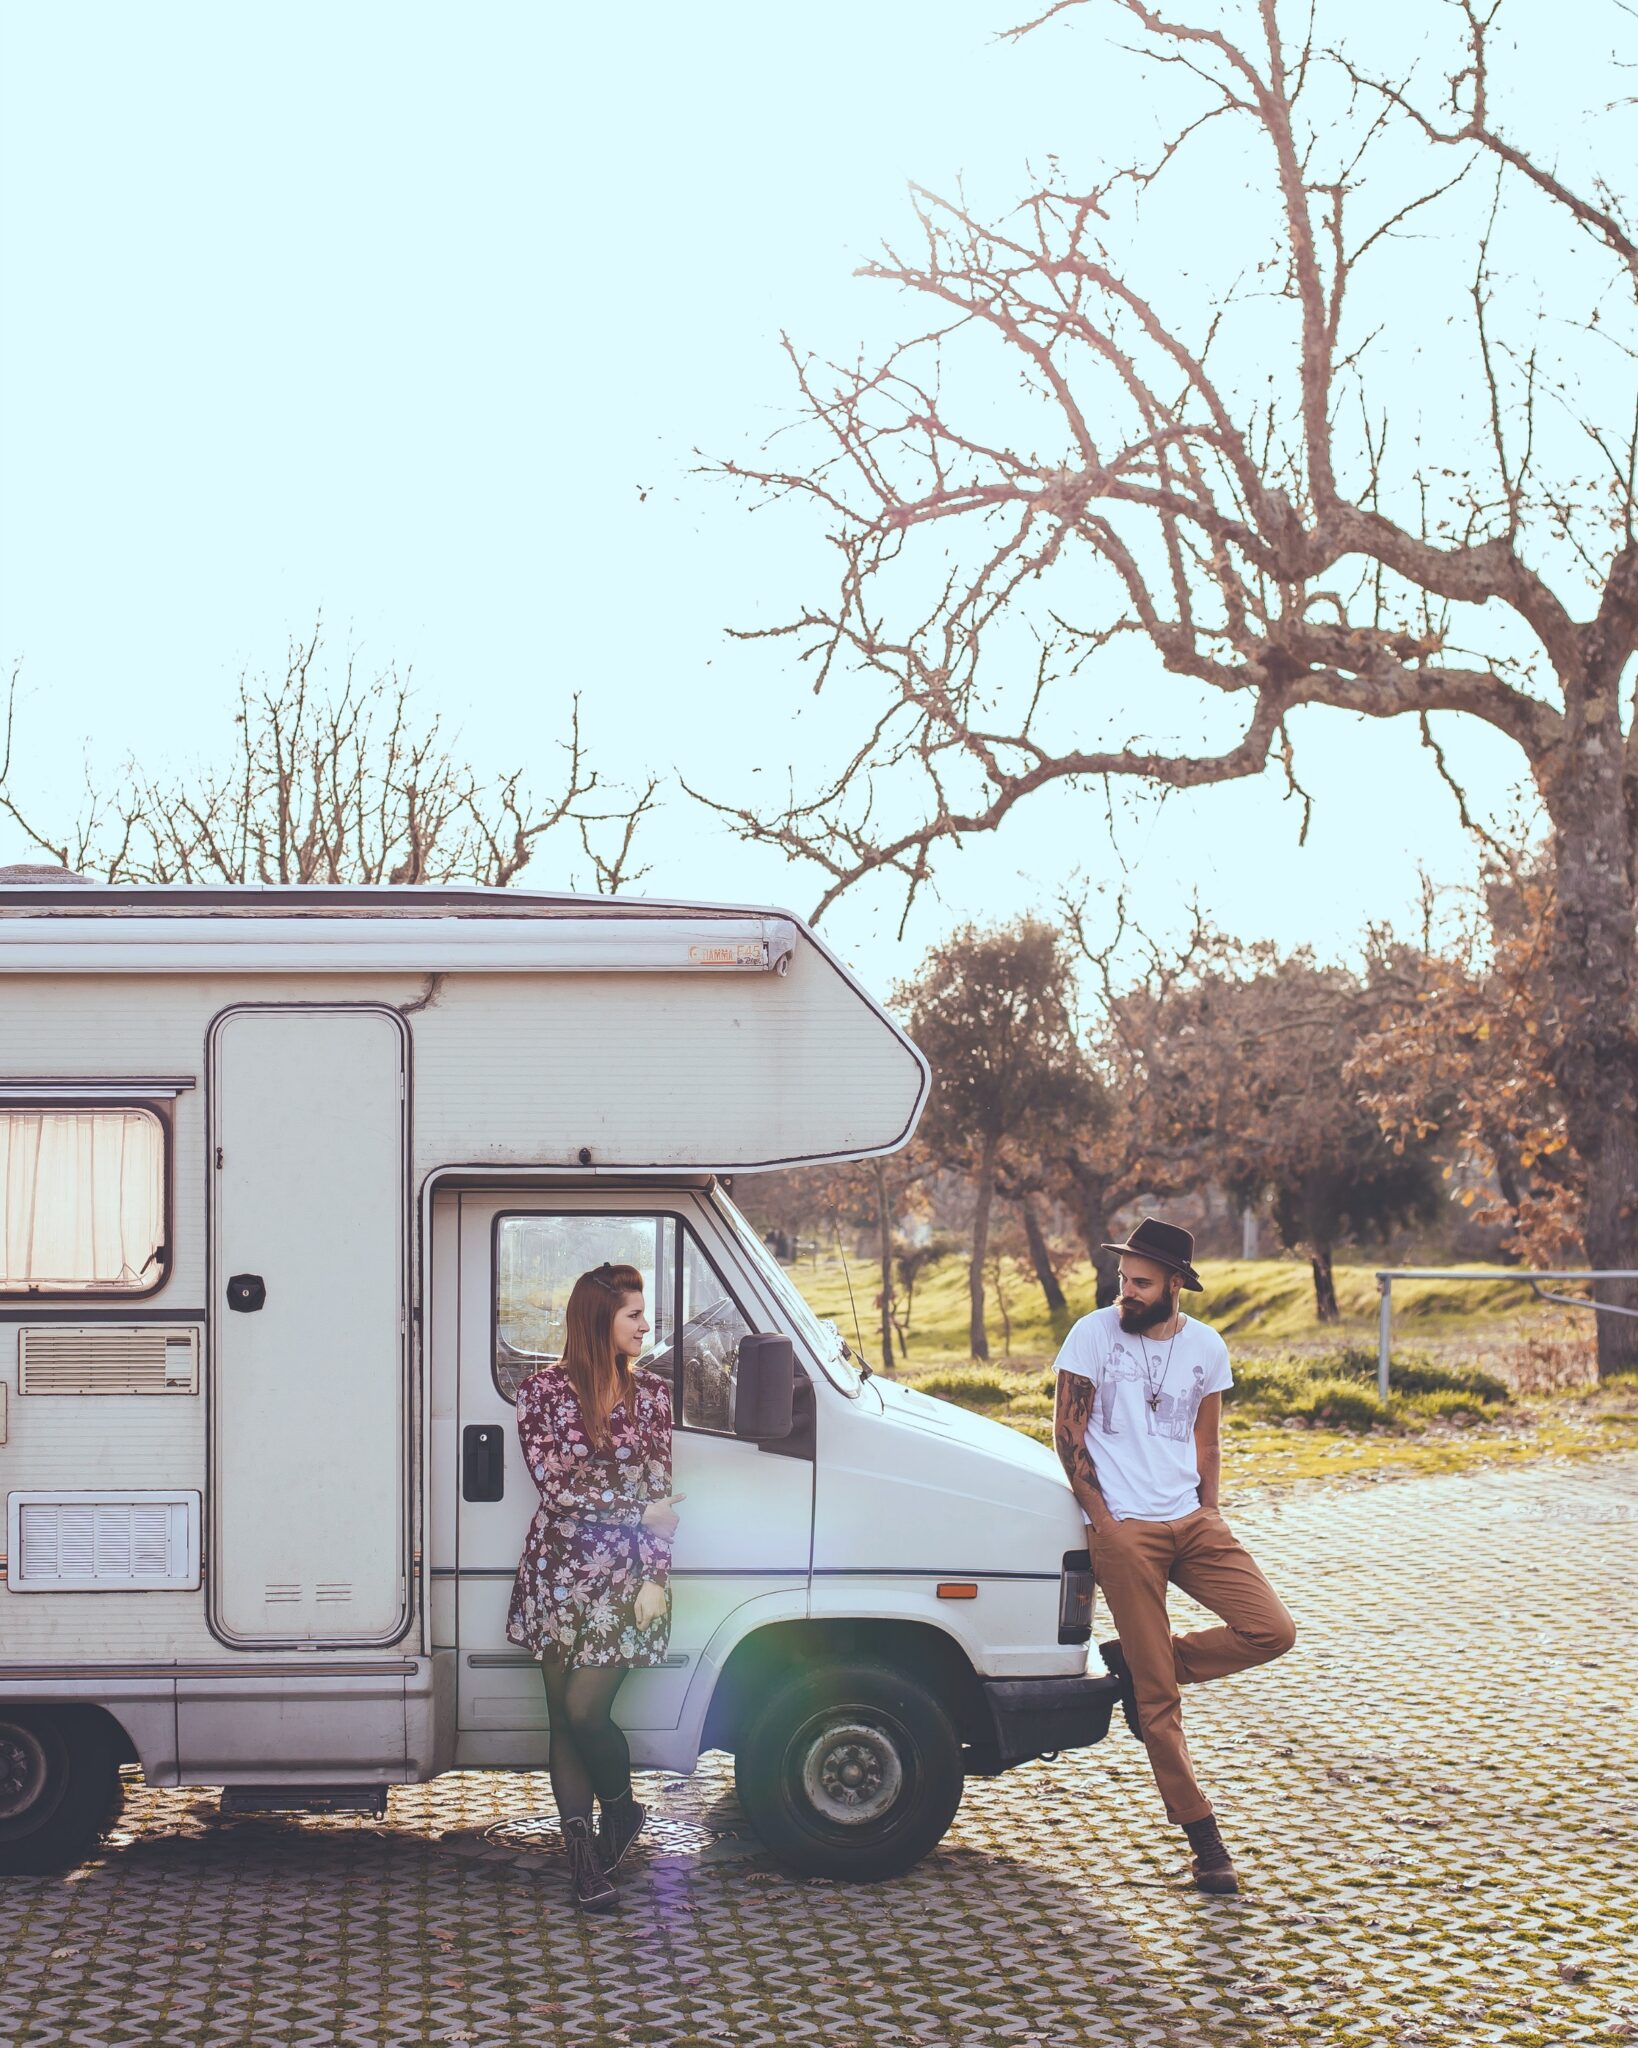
<point x="1034" y="1717"/>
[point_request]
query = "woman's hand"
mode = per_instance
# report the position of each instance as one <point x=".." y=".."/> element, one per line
<point x="649" y="1605"/>
<point x="660" y="1517"/>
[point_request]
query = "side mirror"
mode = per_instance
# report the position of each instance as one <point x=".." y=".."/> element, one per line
<point x="765" y="1387"/>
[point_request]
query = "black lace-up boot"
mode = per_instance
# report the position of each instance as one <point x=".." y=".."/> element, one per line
<point x="587" y="1878"/>
<point x="620" y="1825"/>
<point x="1213" y="1867"/>
<point x="1115" y="1658"/>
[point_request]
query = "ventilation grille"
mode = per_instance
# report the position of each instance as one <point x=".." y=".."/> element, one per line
<point x="108" y="1358"/>
<point x="102" y="1543"/>
<point x="279" y="1592"/>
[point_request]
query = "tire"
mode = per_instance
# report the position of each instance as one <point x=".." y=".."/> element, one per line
<point x="850" y="1771"/>
<point x="59" y="1787"/>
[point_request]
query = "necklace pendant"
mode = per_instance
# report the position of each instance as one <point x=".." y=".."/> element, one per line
<point x="1154" y="1400"/>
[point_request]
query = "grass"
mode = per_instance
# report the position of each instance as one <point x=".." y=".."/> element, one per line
<point x="1481" y="1375"/>
<point x="1342" y="1386"/>
<point x="1262" y="1457"/>
<point x="1265" y="1300"/>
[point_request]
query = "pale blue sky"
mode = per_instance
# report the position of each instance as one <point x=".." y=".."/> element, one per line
<point x="416" y="314"/>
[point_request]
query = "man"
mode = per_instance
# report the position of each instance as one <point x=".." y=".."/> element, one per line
<point x="1137" y="1426"/>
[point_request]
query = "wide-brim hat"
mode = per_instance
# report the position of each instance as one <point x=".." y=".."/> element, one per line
<point x="1168" y="1244"/>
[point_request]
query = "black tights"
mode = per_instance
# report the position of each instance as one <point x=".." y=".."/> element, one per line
<point x="589" y="1754"/>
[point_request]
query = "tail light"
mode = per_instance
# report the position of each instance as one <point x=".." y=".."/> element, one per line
<point x="1075" y="1598"/>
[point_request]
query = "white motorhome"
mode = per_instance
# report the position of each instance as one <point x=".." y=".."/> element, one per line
<point x="292" y="1186"/>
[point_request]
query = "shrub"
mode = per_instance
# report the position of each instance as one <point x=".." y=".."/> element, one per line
<point x="1440" y="1405"/>
<point x="1421" y="1376"/>
<point x="1412" y="1372"/>
<point x="1340" y="1403"/>
<point x="1281" y="1383"/>
<point x="1031" y="1404"/>
<point x="1271" y="1383"/>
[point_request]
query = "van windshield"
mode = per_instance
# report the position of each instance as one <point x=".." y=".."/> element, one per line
<point x="824" y="1338"/>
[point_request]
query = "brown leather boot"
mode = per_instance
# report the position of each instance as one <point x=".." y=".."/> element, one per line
<point x="1213" y="1868"/>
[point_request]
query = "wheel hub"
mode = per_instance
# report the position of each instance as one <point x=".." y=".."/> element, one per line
<point x="852" y="1773"/>
<point x="24" y="1769"/>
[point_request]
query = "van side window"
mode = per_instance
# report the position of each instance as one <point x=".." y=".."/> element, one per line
<point x="537" y="1261"/>
<point x="538" y="1258"/>
<point x="712" y="1328"/>
<point x="82" y="1202"/>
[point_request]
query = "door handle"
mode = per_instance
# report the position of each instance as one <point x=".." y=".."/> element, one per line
<point x="246" y="1292"/>
<point x="483" y="1461"/>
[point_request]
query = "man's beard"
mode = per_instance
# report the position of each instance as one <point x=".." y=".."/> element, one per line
<point x="1135" y="1318"/>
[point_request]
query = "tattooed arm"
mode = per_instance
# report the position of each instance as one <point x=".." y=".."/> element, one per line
<point x="1070" y="1414"/>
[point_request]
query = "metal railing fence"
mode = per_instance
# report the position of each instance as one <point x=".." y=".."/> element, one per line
<point x="1387" y="1275"/>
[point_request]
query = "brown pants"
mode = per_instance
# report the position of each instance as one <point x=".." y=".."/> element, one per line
<point x="1134" y="1563"/>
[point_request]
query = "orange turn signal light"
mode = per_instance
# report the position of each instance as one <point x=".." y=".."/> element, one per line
<point x="958" y="1589"/>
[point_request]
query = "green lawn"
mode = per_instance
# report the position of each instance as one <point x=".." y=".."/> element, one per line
<point x="1482" y="1374"/>
<point x="1263" y="1301"/>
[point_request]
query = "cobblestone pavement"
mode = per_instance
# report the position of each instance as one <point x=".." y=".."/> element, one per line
<point x="1434" y="1801"/>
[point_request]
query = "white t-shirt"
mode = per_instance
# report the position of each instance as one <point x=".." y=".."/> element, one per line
<point x="1140" y="1434"/>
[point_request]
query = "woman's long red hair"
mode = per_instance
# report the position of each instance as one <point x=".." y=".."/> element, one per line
<point x="600" y="1375"/>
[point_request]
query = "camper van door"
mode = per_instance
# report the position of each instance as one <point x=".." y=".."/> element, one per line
<point x="308" y="1326"/>
<point x="747" y="1522"/>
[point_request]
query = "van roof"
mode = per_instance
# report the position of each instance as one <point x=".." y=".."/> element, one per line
<point x="35" y="892"/>
<point x="67" y="926"/>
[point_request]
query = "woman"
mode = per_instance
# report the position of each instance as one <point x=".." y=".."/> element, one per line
<point x="590" y="1597"/>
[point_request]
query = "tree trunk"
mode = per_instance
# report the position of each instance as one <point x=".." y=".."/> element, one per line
<point x="1092" y="1222"/>
<point x="1001" y="1306"/>
<point x="979" y="1342"/>
<point x="1325" y="1286"/>
<point x="884" y="1227"/>
<point x="1040" y="1257"/>
<point x="1594" y="966"/>
<point x="1612" y="1242"/>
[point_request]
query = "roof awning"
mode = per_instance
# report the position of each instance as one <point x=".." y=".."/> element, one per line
<point x="396" y="945"/>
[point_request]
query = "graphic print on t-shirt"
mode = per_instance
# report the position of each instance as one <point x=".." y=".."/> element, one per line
<point x="1119" y="1365"/>
<point x="1173" y="1414"/>
<point x="1164" y="1414"/>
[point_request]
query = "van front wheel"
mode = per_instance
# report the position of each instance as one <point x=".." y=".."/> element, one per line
<point x="851" y="1771"/>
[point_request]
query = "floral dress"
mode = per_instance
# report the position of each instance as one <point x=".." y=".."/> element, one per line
<point x="586" y="1552"/>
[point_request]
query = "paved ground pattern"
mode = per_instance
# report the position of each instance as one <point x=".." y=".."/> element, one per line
<point x="1434" y="1801"/>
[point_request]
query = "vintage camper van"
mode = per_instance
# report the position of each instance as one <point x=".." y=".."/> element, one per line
<point x="293" y="1183"/>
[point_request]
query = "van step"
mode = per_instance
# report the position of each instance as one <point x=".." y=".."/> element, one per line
<point x="304" y="1799"/>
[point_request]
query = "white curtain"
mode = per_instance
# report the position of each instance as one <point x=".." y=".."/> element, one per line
<point x="82" y="1199"/>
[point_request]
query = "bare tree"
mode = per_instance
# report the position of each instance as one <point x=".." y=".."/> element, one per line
<point x="1206" y="483"/>
<point x="332" y="784"/>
